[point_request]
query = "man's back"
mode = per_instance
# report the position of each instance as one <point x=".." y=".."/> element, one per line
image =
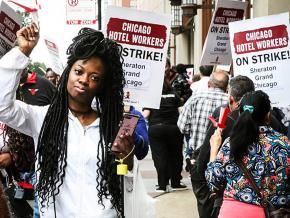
<point x="194" y="120"/>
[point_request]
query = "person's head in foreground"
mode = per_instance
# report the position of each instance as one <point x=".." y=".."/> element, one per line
<point x="254" y="112"/>
<point x="238" y="86"/>
<point x="94" y="70"/>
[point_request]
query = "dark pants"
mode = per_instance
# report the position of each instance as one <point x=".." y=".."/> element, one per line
<point x="204" y="202"/>
<point x="208" y="206"/>
<point x="166" y="146"/>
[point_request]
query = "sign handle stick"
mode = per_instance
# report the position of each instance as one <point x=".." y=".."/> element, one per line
<point x="214" y="68"/>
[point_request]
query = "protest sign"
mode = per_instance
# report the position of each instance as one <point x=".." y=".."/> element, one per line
<point x="81" y="12"/>
<point x="10" y="23"/>
<point x="54" y="55"/>
<point x="145" y="41"/>
<point x="260" y="50"/>
<point x="217" y="48"/>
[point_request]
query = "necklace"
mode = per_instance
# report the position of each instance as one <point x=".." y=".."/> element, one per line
<point x="81" y="112"/>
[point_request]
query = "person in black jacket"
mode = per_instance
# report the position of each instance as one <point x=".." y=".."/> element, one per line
<point x="208" y="203"/>
<point x="165" y="138"/>
<point x="35" y="89"/>
<point x="180" y="84"/>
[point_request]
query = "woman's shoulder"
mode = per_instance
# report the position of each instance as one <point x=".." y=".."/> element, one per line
<point x="279" y="139"/>
<point x="226" y="143"/>
<point x="275" y="143"/>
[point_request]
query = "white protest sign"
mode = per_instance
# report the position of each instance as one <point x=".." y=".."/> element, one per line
<point x="261" y="51"/>
<point x="10" y="23"/>
<point x="144" y="37"/>
<point x="54" y="55"/>
<point x="217" y="48"/>
<point x="82" y="12"/>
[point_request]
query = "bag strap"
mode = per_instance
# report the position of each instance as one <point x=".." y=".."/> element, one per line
<point x="249" y="176"/>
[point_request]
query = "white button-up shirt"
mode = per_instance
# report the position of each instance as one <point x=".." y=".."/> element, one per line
<point x="200" y="86"/>
<point x="78" y="196"/>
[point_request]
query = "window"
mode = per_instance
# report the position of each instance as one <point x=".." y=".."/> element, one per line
<point x="176" y="15"/>
<point x="189" y="2"/>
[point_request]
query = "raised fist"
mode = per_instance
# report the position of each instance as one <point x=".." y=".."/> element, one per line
<point x="27" y="38"/>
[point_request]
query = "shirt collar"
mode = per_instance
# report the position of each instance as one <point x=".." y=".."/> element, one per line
<point x="215" y="90"/>
<point x="95" y="123"/>
<point x="205" y="78"/>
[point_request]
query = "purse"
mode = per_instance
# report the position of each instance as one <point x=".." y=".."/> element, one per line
<point x="270" y="210"/>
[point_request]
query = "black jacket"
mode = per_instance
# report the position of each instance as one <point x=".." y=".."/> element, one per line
<point x="38" y="91"/>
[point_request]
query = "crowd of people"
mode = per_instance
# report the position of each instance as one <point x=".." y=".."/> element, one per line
<point x="254" y="135"/>
<point x="73" y="134"/>
<point x="58" y="135"/>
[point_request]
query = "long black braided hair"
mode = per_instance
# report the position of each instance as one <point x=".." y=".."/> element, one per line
<point x="52" y="143"/>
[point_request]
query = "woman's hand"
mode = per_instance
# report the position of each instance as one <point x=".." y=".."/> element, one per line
<point x="123" y="147"/>
<point x="215" y="143"/>
<point x="27" y="38"/>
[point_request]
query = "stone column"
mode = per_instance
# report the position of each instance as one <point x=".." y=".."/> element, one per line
<point x="197" y="38"/>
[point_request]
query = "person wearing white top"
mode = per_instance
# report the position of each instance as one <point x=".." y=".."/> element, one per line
<point x="75" y="167"/>
<point x="202" y="84"/>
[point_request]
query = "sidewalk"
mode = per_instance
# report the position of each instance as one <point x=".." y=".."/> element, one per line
<point x="176" y="204"/>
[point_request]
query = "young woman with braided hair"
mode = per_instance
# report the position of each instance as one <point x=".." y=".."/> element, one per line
<point x="75" y="166"/>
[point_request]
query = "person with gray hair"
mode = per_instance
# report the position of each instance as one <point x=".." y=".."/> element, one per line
<point x="206" y="204"/>
<point x="219" y="79"/>
<point x="209" y="206"/>
<point x="193" y="119"/>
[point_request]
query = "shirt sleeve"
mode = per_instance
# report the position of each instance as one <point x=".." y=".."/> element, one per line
<point x="140" y="137"/>
<point x="286" y="143"/>
<point x="204" y="153"/>
<point x="215" y="172"/>
<point x="184" y="119"/>
<point x="18" y="115"/>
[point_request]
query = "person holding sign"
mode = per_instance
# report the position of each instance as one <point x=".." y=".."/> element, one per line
<point x="208" y="205"/>
<point x="254" y="150"/>
<point x="165" y="138"/>
<point x="76" y="169"/>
